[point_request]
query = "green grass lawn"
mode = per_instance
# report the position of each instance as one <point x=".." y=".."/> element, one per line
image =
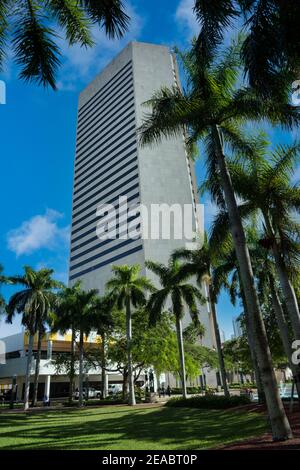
<point x="112" y="428"/>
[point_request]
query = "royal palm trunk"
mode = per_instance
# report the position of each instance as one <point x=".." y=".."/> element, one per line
<point x="72" y="367"/>
<point x="181" y="356"/>
<point x="81" y="369"/>
<point x="103" y="367"/>
<point x="131" y="396"/>
<point x="259" y="385"/>
<point x="279" y="423"/>
<point x="28" y="372"/>
<point x="285" y="283"/>
<point x="219" y="344"/>
<point x="37" y="368"/>
<point x="284" y="333"/>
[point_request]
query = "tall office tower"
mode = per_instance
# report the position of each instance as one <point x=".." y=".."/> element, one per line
<point x="110" y="164"/>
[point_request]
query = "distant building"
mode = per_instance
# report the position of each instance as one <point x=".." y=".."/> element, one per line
<point x="237" y="327"/>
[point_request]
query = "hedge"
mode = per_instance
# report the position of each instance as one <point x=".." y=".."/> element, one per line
<point x="209" y="402"/>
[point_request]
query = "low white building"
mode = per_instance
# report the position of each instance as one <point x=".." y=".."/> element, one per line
<point x="52" y="382"/>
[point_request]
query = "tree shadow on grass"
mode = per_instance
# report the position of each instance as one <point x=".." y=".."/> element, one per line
<point x="132" y="429"/>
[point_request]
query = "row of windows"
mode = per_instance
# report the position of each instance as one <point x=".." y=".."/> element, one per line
<point x="92" y="204"/>
<point x="94" y="237"/>
<point x="103" y="253"/>
<point x="108" y="167"/>
<point x="109" y="124"/>
<point x="115" y="198"/>
<point x="109" y="261"/>
<point x="100" y="117"/>
<point x="89" y="192"/>
<point x="118" y="141"/>
<point x="102" y="243"/>
<point x="103" y="89"/>
<point x="102" y="139"/>
<point x="103" y="111"/>
<point x="109" y="98"/>
<point x="92" y="230"/>
<point x="104" y="159"/>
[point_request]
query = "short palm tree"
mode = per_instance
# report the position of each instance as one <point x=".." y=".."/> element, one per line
<point x="2" y="281"/>
<point x="63" y="320"/>
<point x="103" y="323"/>
<point x="34" y="302"/>
<point x="212" y="109"/>
<point x="81" y="303"/>
<point x="128" y="289"/>
<point x="28" y="29"/>
<point x="181" y="295"/>
<point x="199" y="263"/>
<point x="276" y="198"/>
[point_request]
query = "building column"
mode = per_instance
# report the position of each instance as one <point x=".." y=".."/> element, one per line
<point x="106" y="384"/>
<point x="47" y="387"/>
<point x="19" y="388"/>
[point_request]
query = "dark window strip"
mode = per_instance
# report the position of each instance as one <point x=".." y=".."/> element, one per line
<point x="103" y="253"/>
<point x="105" y="263"/>
<point x="106" y="110"/>
<point x="110" y="125"/>
<point x="98" y="193"/>
<point x="135" y="186"/>
<point x="101" y="138"/>
<point x="91" y="230"/>
<point x="107" y="98"/>
<point x="130" y="132"/>
<point x="112" y="111"/>
<point x="91" y="161"/>
<point x="100" y="244"/>
<point x="98" y="177"/>
<point x="117" y="177"/>
<point x="81" y="179"/>
<point x="94" y="237"/>
<point x="81" y="109"/>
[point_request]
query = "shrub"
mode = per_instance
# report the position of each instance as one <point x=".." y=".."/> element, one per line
<point x="209" y="402"/>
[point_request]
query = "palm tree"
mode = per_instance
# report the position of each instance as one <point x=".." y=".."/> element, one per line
<point x="212" y="109"/>
<point x="276" y="198"/>
<point x="64" y="320"/>
<point x="2" y="281"/>
<point x="182" y="295"/>
<point x="28" y="28"/>
<point x="271" y="48"/>
<point x="81" y="304"/>
<point x="128" y="289"/>
<point x="33" y="302"/>
<point x="103" y="323"/>
<point x="198" y="263"/>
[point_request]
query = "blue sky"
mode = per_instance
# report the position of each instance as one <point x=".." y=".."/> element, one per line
<point x="38" y="142"/>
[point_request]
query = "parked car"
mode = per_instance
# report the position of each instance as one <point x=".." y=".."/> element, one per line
<point x="113" y="389"/>
<point x="92" y="393"/>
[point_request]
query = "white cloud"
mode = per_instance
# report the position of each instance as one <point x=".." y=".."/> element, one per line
<point x="81" y="64"/>
<point x="186" y="18"/>
<point x="41" y="231"/>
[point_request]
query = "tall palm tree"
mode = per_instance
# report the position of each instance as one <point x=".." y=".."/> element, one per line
<point x="182" y="295"/>
<point x="198" y="263"/>
<point x="212" y="108"/>
<point x="128" y="289"/>
<point x="271" y="49"/>
<point x="28" y="29"/>
<point x="33" y="302"/>
<point x="276" y="197"/>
